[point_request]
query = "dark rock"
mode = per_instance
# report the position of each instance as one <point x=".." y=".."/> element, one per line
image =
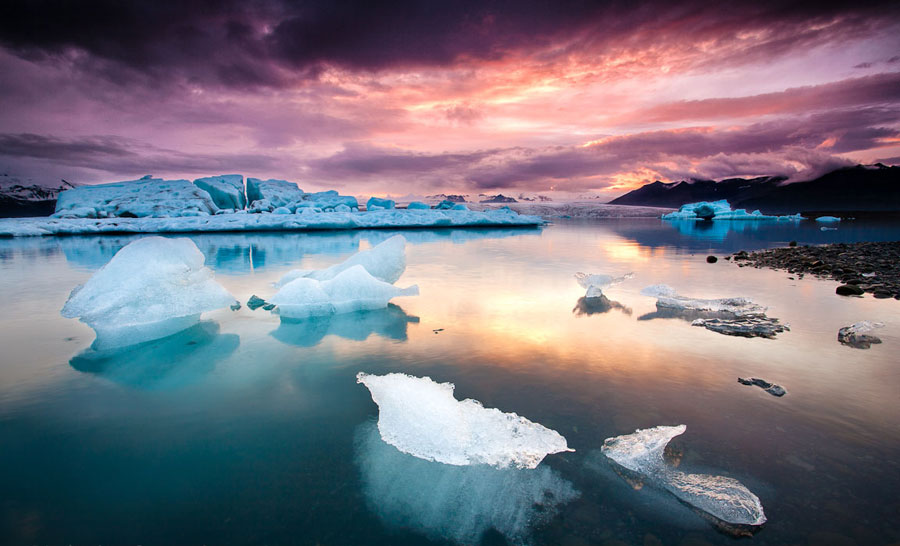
<point x="255" y="302"/>
<point x="882" y="294"/>
<point x="711" y="259"/>
<point x="792" y="243"/>
<point x="849" y="290"/>
<point x="771" y="388"/>
<point x="856" y="335"/>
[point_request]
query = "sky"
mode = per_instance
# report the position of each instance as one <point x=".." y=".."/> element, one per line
<point x="423" y="97"/>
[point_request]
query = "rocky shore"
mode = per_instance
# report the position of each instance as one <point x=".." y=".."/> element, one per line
<point x="859" y="267"/>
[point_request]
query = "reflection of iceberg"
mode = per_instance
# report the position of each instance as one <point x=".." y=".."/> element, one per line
<point x="595" y="284"/>
<point x="456" y="503"/>
<point x="454" y="236"/>
<point x="724" y="499"/>
<point x="390" y="323"/>
<point x="351" y="290"/>
<point x="151" y="289"/>
<point x="385" y="261"/>
<point x="172" y="362"/>
<point x="421" y="417"/>
<point x="598" y="305"/>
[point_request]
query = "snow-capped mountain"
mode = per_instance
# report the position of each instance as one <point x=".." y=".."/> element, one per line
<point x="21" y="197"/>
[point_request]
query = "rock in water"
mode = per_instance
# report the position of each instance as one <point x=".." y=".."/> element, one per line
<point x="762" y="326"/>
<point x="857" y="335"/>
<point x="152" y="288"/>
<point x="849" y="290"/>
<point x="711" y="259"/>
<point x="724" y="499"/>
<point x="421" y="417"/>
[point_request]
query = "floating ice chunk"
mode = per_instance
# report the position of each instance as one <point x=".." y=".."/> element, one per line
<point x="725" y="499"/>
<point x="459" y="206"/>
<point x="666" y="297"/>
<point x="421" y="417"/>
<point x="857" y="334"/>
<point x="720" y="210"/>
<point x="385" y="261"/>
<point x="375" y="203"/>
<point x="226" y="190"/>
<point x="828" y="219"/>
<point x="746" y="326"/>
<point x="147" y="197"/>
<point x="277" y="193"/>
<point x="456" y="503"/>
<point x="418" y="205"/>
<point x="353" y="289"/>
<point x="595" y="284"/>
<point x="150" y="289"/>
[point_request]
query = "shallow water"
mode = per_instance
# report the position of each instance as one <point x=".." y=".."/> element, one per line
<point x="245" y="430"/>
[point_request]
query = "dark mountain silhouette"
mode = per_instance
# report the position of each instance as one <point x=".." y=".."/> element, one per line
<point x="23" y="198"/>
<point x="860" y="188"/>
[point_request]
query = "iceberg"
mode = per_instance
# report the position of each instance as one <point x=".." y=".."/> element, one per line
<point x="418" y="205"/>
<point x="147" y="197"/>
<point x="385" y="261"/>
<point x="275" y="193"/>
<point x="724" y="499"/>
<point x="353" y="289"/>
<point x="421" y="417"/>
<point x="595" y="284"/>
<point x="721" y="210"/>
<point x="828" y="219"/>
<point x="152" y="288"/>
<point x="857" y="334"/>
<point x="456" y="503"/>
<point x="375" y="203"/>
<point x="226" y="190"/>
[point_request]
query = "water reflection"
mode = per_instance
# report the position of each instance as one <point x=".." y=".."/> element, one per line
<point x="389" y="323"/>
<point x="169" y="363"/>
<point x="687" y="315"/>
<point x="598" y="305"/>
<point x="456" y="503"/>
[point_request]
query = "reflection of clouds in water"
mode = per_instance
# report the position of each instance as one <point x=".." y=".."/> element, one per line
<point x="457" y="503"/>
<point x="163" y="364"/>
<point x="389" y="323"/>
<point x="598" y="305"/>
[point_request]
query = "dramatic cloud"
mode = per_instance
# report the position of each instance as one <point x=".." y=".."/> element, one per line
<point x="454" y="96"/>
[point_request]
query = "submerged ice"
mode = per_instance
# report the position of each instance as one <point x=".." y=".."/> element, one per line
<point x="725" y="499"/>
<point x="456" y="503"/>
<point x="152" y="288"/>
<point x="421" y="417"/>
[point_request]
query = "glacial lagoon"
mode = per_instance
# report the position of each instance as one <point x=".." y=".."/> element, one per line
<point x="246" y="429"/>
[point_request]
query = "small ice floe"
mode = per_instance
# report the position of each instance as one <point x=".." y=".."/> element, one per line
<point x="857" y="335"/>
<point x="352" y="289"/>
<point x="745" y="326"/>
<point x="152" y="288"/>
<point x="771" y="388"/>
<point x="595" y="284"/>
<point x="456" y="503"/>
<point x="385" y="261"/>
<point x="421" y="417"/>
<point x="728" y="316"/>
<point x="728" y="503"/>
<point x="828" y="219"/>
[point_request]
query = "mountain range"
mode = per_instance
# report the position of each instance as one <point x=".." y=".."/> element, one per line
<point x="24" y="197"/>
<point x="859" y="188"/>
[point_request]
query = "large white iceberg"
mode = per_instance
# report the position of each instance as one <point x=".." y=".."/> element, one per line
<point x="421" y="417"/>
<point x="385" y="261"/>
<point x="721" y="210"/>
<point x="456" y="503"/>
<point x="595" y="284"/>
<point x="150" y="289"/>
<point x="353" y="289"/>
<point x="276" y="193"/>
<point x="147" y="197"/>
<point x="226" y="190"/>
<point x="725" y="499"/>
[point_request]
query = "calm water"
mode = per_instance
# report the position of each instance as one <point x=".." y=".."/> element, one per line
<point x="243" y="430"/>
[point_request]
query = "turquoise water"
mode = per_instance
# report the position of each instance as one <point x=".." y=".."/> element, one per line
<point x="244" y="430"/>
